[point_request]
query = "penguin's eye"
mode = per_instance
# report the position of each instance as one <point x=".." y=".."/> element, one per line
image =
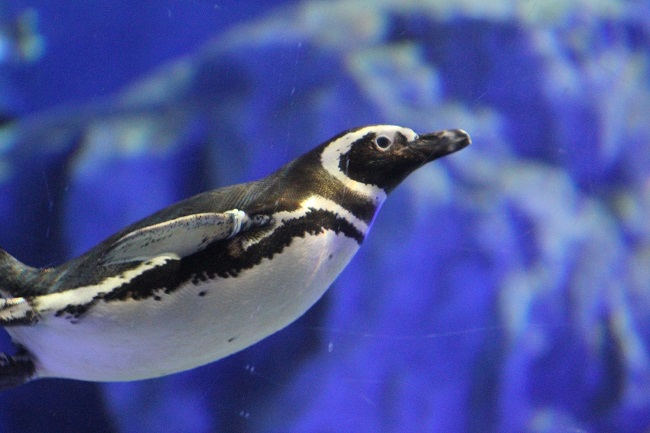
<point x="383" y="143"/>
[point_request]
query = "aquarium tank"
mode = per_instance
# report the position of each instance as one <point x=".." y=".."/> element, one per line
<point x="505" y="288"/>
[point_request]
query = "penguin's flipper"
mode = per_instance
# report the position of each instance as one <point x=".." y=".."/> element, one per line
<point x="17" y="311"/>
<point x="16" y="370"/>
<point x="181" y="236"/>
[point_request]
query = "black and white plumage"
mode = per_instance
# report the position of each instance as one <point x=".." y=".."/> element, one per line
<point x="210" y="275"/>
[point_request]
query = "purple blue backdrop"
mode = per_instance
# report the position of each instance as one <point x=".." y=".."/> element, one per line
<point x="503" y="289"/>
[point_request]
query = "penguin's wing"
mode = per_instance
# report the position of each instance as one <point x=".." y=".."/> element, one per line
<point x="180" y="236"/>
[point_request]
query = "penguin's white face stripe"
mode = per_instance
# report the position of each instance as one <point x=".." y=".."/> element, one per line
<point x="314" y="202"/>
<point x="84" y="295"/>
<point x="331" y="156"/>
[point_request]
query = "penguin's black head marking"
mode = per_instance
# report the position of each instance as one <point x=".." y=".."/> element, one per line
<point x="380" y="157"/>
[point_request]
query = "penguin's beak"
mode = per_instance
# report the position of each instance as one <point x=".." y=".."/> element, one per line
<point x="435" y="145"/>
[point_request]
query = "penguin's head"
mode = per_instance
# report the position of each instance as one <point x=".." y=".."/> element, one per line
<point x="373" y="160"/>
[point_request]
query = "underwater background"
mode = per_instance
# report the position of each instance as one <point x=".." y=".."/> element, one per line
<point x="505" y="288"/>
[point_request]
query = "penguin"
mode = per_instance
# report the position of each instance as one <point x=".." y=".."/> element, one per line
<point x="212" y="274"/>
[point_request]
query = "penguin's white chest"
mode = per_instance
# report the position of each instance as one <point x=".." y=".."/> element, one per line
<point x="195" y="324"/>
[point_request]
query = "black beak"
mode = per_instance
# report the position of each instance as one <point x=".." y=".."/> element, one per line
<point x="441" y="143"/>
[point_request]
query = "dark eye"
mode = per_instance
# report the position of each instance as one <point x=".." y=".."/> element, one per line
<point x="383" y="142"/>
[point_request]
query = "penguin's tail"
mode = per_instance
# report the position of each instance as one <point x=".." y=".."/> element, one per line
<point x="18" y="282"/>
<point x="16" y="278"/>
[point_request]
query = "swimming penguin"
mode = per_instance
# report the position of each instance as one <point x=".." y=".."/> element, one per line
<point x="210" y="275"/>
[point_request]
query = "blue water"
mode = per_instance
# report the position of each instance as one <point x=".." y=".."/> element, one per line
<point x="505" y="288"/>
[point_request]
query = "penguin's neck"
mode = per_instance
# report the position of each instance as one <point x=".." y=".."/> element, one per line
<point x="306" y="181"/>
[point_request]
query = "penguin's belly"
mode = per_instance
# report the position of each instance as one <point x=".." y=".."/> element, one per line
<point x="195" y="324"/>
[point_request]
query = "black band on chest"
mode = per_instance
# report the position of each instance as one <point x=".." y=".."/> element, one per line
<point x="224" y="259"/>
